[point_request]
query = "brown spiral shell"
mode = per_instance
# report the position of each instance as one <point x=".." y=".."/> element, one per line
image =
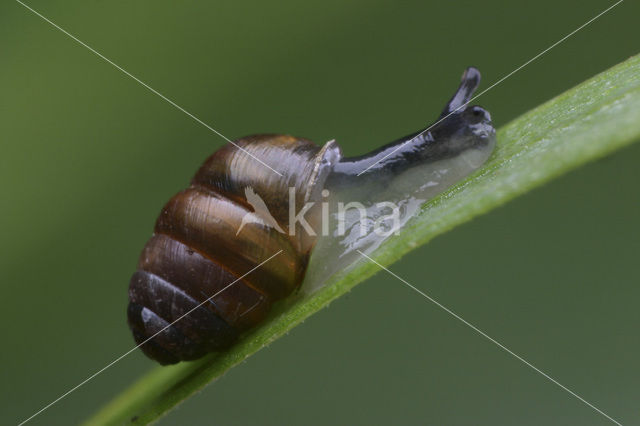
<point x="194" y="251"/>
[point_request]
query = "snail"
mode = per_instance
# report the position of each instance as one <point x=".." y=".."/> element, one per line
<point x="210" y="238"/>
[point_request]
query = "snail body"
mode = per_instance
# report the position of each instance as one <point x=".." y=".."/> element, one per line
<point x="210" y="238"/>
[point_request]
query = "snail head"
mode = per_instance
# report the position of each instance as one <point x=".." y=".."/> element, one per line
<point x="462" y="126"/>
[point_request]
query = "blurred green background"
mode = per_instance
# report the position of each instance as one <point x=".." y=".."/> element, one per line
<point x="89" y="157"/>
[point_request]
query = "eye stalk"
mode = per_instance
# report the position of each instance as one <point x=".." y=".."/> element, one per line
<point x="468" y="85"/>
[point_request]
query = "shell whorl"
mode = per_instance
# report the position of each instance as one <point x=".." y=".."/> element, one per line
<point x="195" y="252"/>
